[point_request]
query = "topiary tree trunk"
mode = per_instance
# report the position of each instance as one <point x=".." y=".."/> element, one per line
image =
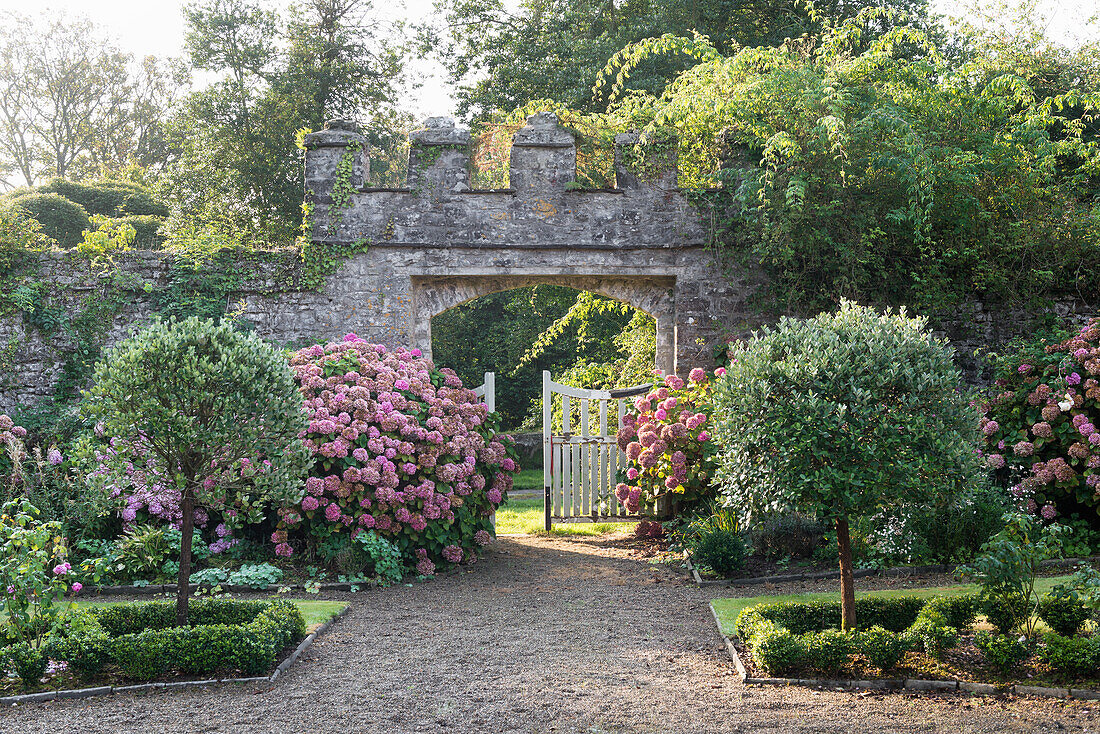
<point x="847" y="580"/>
<point x="187" y="527"/>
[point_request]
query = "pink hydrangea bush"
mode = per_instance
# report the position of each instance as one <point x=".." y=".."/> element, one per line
<point x="401" y="448"/>
<point x="667" y="441"/>
<point x="1042" y="427"/>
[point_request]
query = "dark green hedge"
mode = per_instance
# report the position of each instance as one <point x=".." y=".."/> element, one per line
<point x="140" y="639"/>
<point x="61" y="219"/>
<point x="108" y="198"/>
<point x="121" y="619"/>
<point x="792" y="637"/>
<point x="894" y="613"/>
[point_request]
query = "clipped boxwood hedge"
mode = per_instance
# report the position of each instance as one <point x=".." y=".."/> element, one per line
<point x="108" y="198"/>
<point x="896" y="614"/>
<point x="142" y="641"/>
<point x="788" y="637"/>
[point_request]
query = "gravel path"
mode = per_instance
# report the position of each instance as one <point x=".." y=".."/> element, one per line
<point x="544" y="635"/>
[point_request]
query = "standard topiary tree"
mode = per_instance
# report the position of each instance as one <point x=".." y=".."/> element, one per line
<point x="839" y="416"/>
<point x="218" y="413"/>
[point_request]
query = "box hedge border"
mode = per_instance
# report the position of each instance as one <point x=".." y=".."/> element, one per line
<point x="80" y="693"/>
<point x="814" y="611"/>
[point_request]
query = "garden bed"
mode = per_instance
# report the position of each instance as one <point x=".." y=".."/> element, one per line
<point x="961" y="670"/>
<point x="133" y="646"/>
<point x="802" y="655"/>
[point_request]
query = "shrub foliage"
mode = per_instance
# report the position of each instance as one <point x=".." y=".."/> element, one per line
<point x="840" y="416"/>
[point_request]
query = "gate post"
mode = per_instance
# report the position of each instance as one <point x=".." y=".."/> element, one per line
<point x="547" y="453"/>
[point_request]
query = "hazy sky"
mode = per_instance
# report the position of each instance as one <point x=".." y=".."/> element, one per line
<point x="154" y="27"/>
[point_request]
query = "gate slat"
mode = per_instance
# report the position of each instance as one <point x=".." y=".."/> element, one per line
<point x="586" y="479"/>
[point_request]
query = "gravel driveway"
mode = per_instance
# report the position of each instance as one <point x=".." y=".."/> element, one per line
<point x="543" y="635"/>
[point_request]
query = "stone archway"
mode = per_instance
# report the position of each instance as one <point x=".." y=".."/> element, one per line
<point x="432" y="296"/>
<point x="437" y="242"/>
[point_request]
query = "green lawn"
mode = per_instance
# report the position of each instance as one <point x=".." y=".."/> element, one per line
<point x="728" y="609"/>
<point x="524" y="516"/>
<point x="315" y="611"/>
<point x="528" y="479"/>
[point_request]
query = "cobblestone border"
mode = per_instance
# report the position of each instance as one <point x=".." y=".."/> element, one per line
<point x="901" y="684"/>
<point x="142" y="687"/>
<point x="858" y="573"/>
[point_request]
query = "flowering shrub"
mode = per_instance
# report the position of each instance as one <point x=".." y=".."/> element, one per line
<point x="668" y="444"/>
<point x="401" y="448"/>
<point x="34" y="577"/>
<point x="1041" y="426"/>
<point x="12" y="451"/>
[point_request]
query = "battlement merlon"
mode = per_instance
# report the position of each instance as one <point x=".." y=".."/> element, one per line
<point x="324" y="151"/>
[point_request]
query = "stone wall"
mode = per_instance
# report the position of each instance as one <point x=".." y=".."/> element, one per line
<point x="443" y="243"/>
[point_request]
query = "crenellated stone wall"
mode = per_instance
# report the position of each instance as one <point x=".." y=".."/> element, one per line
<point x="442" y="243"/>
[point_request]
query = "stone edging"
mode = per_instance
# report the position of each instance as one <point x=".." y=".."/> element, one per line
<point x="151" y="589"/>
<point x="110" y="690"/>
<point x="902" y="684"/>
<point x="858" y="573"/>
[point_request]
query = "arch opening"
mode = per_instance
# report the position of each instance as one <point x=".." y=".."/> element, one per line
<point x="582" y="337"/>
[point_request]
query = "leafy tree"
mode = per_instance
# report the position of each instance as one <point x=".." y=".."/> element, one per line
<point x="505" y="56"/>
<point x="840" y="416"/>
<point x="72" y="104"/>
<point x="237" y="167"/>
<point x="882" y="174"/>
<point x="215" y="410"/>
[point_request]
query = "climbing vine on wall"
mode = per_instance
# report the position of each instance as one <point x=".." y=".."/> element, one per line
<point x="320" y="257"/>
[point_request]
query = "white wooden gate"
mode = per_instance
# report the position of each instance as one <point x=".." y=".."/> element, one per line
<point x="579" y="469"/>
